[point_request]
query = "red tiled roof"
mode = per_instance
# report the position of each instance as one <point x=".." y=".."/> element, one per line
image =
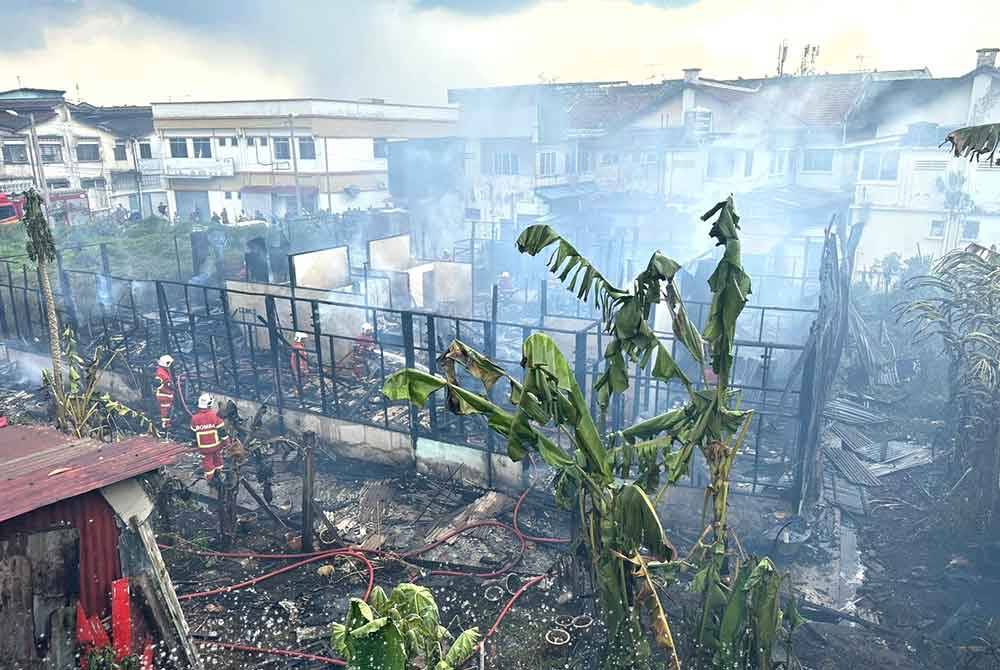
<point x="820" y="100"/>
<point x="40" y="466"/>
<point x="613" y="105"/>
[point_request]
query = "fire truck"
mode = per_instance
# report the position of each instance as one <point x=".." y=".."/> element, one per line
<point x="11" y="208"/>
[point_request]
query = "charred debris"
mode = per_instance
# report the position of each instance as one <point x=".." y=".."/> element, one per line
<point x="535" y="450"/>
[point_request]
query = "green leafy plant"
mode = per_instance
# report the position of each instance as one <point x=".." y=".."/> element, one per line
<point x="81" y="408"/>
<point x="607" y="480"/>
<point x="103" y="658"/>
<point x="396" y="632"/>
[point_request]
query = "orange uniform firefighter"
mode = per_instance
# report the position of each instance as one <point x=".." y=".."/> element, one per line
<point x="165" y="389"/>
<point x="299" y="362"/>
<point x="209" y="435"/>
<point x="362" y="351"/>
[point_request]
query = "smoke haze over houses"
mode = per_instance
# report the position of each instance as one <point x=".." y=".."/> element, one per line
<point x="120" y="51"/>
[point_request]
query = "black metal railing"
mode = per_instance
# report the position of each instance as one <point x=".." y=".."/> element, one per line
<point x="239" y="343"/>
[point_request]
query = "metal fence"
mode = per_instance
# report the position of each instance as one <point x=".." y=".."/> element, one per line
<point x="239" y="343"/>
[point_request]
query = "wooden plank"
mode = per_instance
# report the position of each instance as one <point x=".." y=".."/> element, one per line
<point x="154" y="583"/>
<point x="17" y="643"/>
<point x="62" y="643"/>
<point x="487" y="506"/>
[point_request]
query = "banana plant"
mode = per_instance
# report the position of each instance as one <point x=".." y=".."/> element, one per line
<point x="81" y="408"/>
<point x="607" y="480"/>
<point x="395" y="632"/>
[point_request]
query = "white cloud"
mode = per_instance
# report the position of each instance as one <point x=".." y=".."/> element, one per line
<point x="386" y="48"/>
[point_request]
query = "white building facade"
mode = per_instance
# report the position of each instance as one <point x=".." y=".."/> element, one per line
<point x="268" y="158"/>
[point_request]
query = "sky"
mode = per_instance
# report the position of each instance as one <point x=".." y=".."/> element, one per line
<point x="139" y="51"/>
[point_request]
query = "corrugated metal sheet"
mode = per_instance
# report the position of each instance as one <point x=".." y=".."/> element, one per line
<point x="40" y="466"/>
<point x="845" y="411"/>
<point x="850" y="467"/>
<point x="858" y="442"/>
<point x="94" y="519"/>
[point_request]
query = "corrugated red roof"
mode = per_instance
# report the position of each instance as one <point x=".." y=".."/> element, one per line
<point x="40" y="466"/>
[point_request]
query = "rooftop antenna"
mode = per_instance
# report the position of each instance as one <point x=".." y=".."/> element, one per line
<point x="861" y="62"/>
<point x="19" y="84"/>
<point x="782" y="57"/>
<point x="79" y="98"/>
<point x="808" y="63"/>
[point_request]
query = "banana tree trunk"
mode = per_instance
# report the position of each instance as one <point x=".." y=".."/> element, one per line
<point x="55" y="346"/>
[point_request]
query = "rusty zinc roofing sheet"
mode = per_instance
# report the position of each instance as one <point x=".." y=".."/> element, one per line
<point x="40" y="466"/>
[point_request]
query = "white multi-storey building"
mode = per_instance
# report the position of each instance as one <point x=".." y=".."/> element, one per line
<point x="92" y="159"/>
<point x="269" y="157"/>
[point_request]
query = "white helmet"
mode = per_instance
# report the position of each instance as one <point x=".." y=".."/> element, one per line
<point x="205" y="400"/>
<point x="300" y="337"/>
<point x="165" y="361"/>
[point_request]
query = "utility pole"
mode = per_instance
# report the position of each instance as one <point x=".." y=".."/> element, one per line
<point x="36" y="150"/>
<point x="295" y="163"/>
<point x="138" y="175"/>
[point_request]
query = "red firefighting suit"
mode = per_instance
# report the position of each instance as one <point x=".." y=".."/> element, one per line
<point x="164" y="395"/>
<point x="209" y="434"/>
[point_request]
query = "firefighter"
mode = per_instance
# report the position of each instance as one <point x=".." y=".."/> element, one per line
<point x="165" y="389"/>
<point x="299" y="362"/>
<point x="362" y="351"/>
<point x="209" y="435"/>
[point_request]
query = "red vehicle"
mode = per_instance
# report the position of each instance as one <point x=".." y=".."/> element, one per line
<point x="11" y="208"/>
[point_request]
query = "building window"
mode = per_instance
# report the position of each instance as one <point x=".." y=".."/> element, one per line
<point x="505" y="163"/>
<point x="222" y="141"/>
<point x="779" y="162"/>
<point x="178" y="147"/>
<point x="229" y="195"/>
<point x="145" y="150"/>
<point x="937" y="229"/>
<point x="57" y="184"/>
<point x="970" y="231"/>
<point x="98" y="182"/>
<point x="120" y="151"/>
<point x="547" y="163"/>
<point x="879" y="165"/>
<point x="748" y="164"/>
<point x="282" y="150"/>
<point x="202" y="147"/>
<point x="584" y="162"/>
<point x="250" y="139"/>
<point x="51" y="153"/>
<point x="381" y="147"/>
<point x="15" y="153"/>
<point x="818" y="160"/>
<point x="263" y="141"/>
<point x="89" y="152"/>
<point x="307" y="148"/>
<point x="609" y="159"/>
<point x="234" y="141"/>
<point x="721" y="164"/>
<point x="698" y="121"/>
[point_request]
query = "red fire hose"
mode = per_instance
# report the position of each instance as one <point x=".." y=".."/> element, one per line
<point x="358" y="554"/>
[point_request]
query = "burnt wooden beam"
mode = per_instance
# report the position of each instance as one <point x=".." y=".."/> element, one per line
<point x="308" y="484"/>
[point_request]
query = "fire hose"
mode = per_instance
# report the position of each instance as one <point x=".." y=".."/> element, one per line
<point x="358" y="554"/>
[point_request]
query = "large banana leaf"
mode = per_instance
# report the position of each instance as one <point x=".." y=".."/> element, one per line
<point x="730" y="287"/>
<point x="416" y="387"/>
<point x="637" y="525"/>
<point x="624" y="314"/>
<point x="974" y="142"/>
<point x="549" y="379"/>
